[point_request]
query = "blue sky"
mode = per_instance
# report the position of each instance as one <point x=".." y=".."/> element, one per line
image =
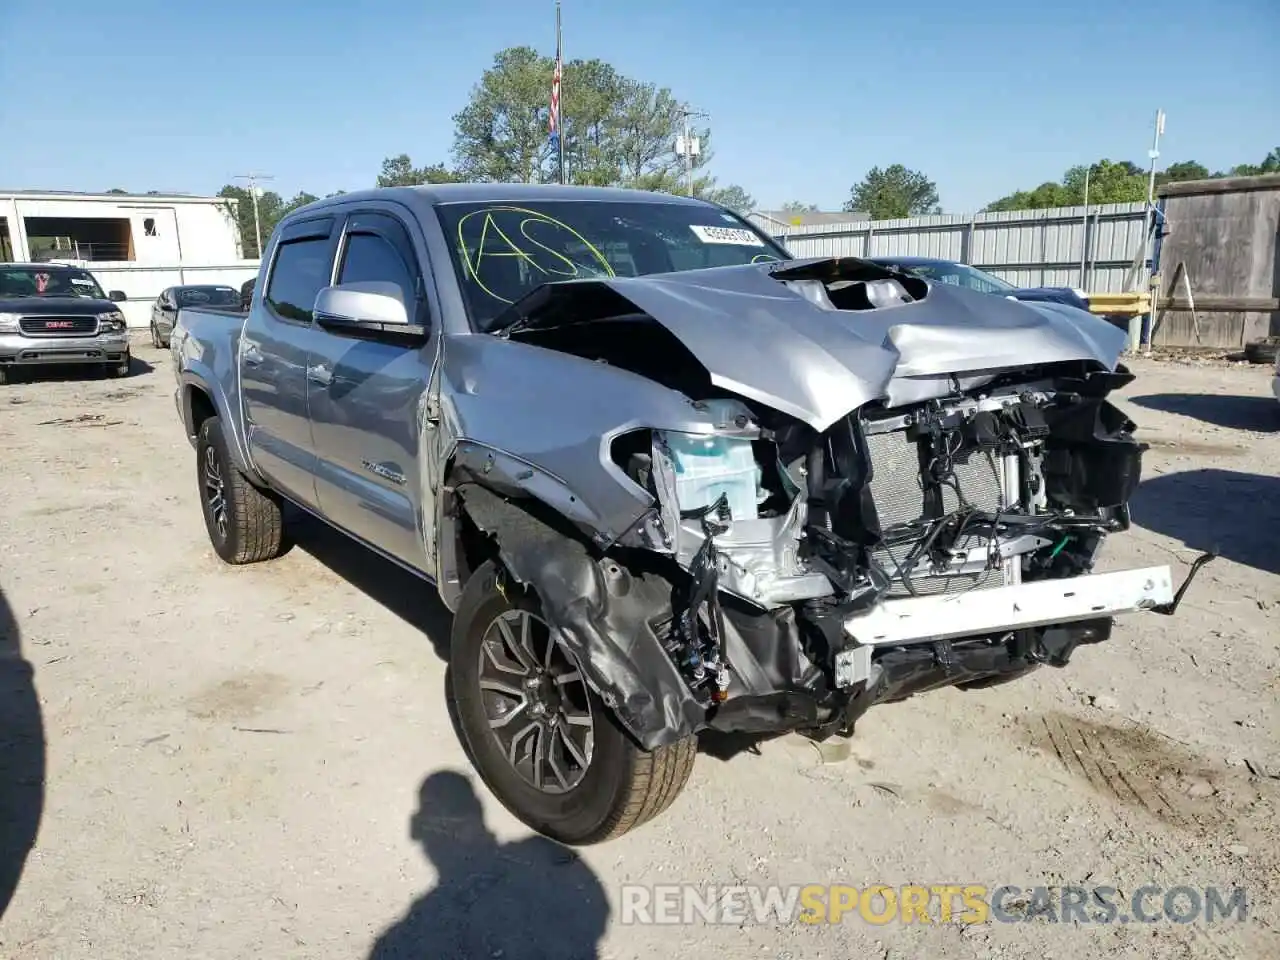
<point x="985" y="96"/>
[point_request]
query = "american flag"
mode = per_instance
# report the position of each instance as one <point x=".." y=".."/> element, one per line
<point x="554" y="118"/>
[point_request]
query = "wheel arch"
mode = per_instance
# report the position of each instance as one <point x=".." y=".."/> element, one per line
<point x="601" y="611"/>
<point x="202" y="399"/>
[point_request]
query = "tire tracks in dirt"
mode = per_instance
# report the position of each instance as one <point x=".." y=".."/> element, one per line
<point x="1147" y="787"/>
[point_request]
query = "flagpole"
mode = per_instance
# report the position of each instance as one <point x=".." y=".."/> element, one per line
<point x="560" y="106"/>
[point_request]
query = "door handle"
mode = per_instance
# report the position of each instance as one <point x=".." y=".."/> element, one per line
<point x="320" y="374"/>
<point x="252" y="355"/>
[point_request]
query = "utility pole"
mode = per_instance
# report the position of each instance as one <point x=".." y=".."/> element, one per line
<point x="1084" y="226"/>
<point x="555" y="98"/>
<point x="1154" y="154"/>
<point x="254" y="190"/>
<point x="688" y="146"/>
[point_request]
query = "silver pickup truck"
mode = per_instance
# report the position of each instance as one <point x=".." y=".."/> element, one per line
<point x="53" y="314"/>
<point x="667" y="478"/>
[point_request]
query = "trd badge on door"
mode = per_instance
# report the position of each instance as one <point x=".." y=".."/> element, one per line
<point x="384" y="471"/>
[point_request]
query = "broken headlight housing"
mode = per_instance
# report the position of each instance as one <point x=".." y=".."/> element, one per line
<point x="112" y="321"/>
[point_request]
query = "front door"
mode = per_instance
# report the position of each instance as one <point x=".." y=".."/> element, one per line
<point x="278" y="338"/>
<point x="365" y="394"/>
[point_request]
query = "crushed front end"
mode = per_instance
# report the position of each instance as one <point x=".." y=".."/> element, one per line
<point x="876" y="488"/>
<point x="950" y="542"/>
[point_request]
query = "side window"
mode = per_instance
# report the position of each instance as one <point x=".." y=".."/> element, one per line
<point x="369" y="256"/>
<point x="301" y="270"/>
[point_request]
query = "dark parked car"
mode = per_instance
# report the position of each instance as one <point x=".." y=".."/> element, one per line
<point x="963" y="275"/>
<point x="55" y="314"/>
<point x="165" y="310"/>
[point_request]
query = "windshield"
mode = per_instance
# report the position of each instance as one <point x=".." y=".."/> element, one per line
<point x="960" y="274"/>
<point x="208" y="297"/>
<point x="504" y="251"/>
<point x="48" y="282"/>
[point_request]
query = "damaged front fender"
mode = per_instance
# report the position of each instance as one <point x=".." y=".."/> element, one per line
<point x="550" y="419"/>
<point x="603" y="613"/>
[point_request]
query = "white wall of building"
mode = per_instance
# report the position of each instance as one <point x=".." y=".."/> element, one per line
<point x="173" y="240"/>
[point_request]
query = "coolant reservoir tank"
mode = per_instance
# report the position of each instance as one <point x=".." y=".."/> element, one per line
<point x="706" y="467"/>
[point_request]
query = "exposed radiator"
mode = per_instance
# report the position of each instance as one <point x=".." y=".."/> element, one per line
<point x="899" y="497"/>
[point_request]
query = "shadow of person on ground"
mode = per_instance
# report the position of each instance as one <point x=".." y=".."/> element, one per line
<point x="1235" y="514"/>
<point x="22" y="757"/>
<point x="1259" y="414"/>
<point x="410" y="598"/>
<point x="530" y="898"/>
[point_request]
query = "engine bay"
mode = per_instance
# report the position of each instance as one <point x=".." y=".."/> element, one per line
<point x="881" y="460"/>
<point x="780" y="528"/>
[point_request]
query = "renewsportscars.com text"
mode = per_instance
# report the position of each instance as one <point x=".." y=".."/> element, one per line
<point x="935" y="903"/>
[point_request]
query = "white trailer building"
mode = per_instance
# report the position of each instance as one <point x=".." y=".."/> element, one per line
<point x="140" y="244"/>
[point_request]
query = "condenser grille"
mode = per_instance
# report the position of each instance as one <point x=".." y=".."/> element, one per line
<point x="899" y="498"/>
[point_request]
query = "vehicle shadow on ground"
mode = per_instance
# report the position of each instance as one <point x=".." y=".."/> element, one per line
<point x="410" y="598"/>
<point x="416" y="602"/>
<point x="523" y="899"/>
<point x="1236" y="413"/>
<point x="1234" y="514"/>
<point x="65" y="373"/>
<point x="22" y="757"/>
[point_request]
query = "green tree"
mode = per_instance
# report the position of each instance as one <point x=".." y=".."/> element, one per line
<point x="270" y="209"/>
<point x="732" y="196"/>
<point x="1120" y="181"/>
<point x="616" y="131"/>
<point x="1110" y="181"/>
<point x="399" y="171"/>
<point x="893" y="193"/>
<point x="1185" y="170"/>
<point x="1270" y="164"/>
<point x="300" y="199"/>
<point x="798" y="206"/>
<point x="1046" y="195"/>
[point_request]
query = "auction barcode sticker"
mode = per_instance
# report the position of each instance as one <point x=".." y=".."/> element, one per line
<point x="734" y="235"/>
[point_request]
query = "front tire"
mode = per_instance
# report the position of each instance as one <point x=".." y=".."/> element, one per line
<point x="245" y="524"/>
<point x="155" y="337"/>
<point x="119" y="370"/>
<point x="557" y="759"/>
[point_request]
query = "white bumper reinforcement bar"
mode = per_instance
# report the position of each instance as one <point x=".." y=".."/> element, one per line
<point x="1036" y="604"/>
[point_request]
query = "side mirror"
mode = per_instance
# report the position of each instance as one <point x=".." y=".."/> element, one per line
<point x="372" y="306"/>
<point x="117" y="296"/>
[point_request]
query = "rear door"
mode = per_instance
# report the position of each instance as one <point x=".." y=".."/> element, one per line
<point x="365" y="394"/>
<point x="278" y="338"/>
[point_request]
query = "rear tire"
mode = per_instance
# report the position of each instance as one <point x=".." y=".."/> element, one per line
<point x="245" y="524"/>
<point x="621" y="786"/>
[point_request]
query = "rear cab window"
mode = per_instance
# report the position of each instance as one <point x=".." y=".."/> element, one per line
<point x="302" y="266"/>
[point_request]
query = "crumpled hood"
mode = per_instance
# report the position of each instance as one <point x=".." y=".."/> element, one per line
<point x="761" y="339"/>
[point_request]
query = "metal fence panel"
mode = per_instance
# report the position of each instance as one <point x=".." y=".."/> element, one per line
<point x="1025" y="247"/>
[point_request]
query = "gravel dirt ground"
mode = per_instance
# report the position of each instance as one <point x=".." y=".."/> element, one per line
<point x="258" y="762"/>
